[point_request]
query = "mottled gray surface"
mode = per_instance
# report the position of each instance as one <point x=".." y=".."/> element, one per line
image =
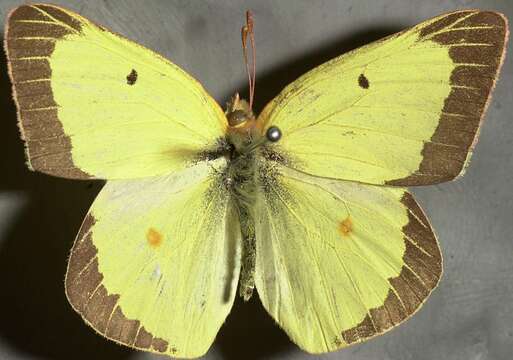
<point x="470" y="315"/>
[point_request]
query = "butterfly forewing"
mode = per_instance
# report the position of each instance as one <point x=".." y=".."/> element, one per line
<point x="94" y="104"/>
<point x="402" y="111"/>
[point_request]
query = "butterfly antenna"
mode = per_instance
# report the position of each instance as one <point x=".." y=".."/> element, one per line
<point x="251" y="70"/>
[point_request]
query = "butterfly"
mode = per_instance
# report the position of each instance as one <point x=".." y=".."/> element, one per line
<point x="305" y="204"/>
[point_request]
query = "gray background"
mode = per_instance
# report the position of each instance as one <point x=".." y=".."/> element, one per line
<point x="470" y="315"/>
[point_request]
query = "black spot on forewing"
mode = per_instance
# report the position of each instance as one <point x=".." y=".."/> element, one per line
<point x="363" y="82"/>
<point x="132" y="77"/>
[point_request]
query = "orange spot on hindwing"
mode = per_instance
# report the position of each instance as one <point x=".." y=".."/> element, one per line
<point x="345" y="227"/>
<point x="154" y="238"/>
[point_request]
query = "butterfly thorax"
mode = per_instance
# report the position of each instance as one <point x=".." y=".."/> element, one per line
<point x="242" y="136"/>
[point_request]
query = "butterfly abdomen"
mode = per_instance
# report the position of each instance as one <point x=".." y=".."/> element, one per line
<point x="240" y="180"/>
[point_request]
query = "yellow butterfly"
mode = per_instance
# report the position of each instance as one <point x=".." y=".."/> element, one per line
<point x="306" y="202"/>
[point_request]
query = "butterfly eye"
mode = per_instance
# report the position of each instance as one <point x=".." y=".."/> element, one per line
<point x="273" y="134"/>
<point x="237" y="117"/>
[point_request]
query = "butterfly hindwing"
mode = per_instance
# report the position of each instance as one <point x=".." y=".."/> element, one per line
<point x="401" y="111"/>
<point x="156" y="263"/>
<point x="339" y="262"/>
<point x="92" y="104"/>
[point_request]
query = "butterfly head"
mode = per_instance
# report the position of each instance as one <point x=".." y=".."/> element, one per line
<point x="239" y="114"/>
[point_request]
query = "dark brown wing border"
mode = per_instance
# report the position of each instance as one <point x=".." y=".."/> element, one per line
<point x="448" y="152"/>
<point x="30" y="35"/>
